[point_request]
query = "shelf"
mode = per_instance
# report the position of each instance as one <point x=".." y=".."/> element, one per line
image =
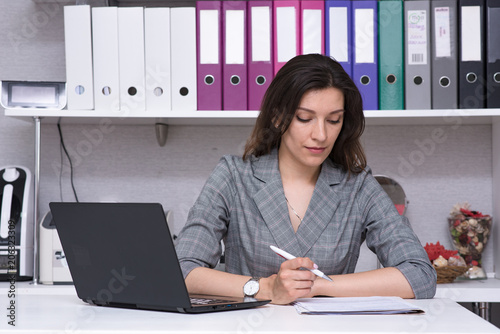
<point x="452" y="117"/>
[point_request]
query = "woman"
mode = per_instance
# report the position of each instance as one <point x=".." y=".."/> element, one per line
<point x="303" y="186"/>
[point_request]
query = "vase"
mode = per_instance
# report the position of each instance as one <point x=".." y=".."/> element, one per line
<point x="470" y="236"/>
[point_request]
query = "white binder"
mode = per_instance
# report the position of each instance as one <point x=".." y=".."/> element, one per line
<point x="183" y="61"/>
<point x="157" y="53"/>
<point x="78" y="46"/>
<point x="105" y="51"/>
<point x="131" y="56"/>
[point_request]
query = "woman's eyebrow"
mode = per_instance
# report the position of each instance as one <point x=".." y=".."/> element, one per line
<point x="330" y="113"/>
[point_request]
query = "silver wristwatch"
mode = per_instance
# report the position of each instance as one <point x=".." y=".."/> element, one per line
<point x="251" y="288"/>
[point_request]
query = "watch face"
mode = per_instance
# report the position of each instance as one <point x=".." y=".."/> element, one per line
<point x="251" y="288"/>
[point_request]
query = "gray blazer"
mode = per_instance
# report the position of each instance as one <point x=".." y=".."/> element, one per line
<point x="243" y="203"/>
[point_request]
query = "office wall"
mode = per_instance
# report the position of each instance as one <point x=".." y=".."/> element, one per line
<point x="124" y="163"/>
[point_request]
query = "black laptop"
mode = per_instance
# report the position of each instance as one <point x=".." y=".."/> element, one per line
<point x="122" y="255"/>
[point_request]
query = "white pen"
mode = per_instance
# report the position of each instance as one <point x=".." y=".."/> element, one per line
<point x="289" y="256"/>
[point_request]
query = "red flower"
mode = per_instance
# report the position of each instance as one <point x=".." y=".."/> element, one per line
<point x="472" y="214"/>
<point x="474" y="263"/>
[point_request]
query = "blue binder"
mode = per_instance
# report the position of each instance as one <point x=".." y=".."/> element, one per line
<point x="365" y="55"/>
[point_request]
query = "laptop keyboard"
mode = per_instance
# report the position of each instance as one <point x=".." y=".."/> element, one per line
<point x="209" y="301"/>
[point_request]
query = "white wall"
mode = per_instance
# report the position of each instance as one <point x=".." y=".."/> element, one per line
<point x="126" y="164"/>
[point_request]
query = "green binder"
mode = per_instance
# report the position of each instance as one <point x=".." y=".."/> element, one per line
<point x="391" y="55"/>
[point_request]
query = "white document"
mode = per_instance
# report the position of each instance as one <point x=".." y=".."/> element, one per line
<point x="355" y="305"/>
<point x="131" y="55"/>
<point x="78" y="47"/>
<point x="157" y="53"/>
<point x="183" y="65"/>
<point x="105" y="56"/>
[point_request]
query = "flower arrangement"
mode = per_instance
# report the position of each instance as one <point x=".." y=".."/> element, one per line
<point x="470" y="231"/>
<point x="447" y="263"/>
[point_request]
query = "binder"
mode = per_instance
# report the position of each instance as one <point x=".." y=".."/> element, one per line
<point x="417" y="54"/>
<point x="312" y="27"/>
<point x="493" y="54"/>
<point x="338" y="32"/>
<point x="105" y="58"/>
<point x="131" y="56"/>
<point x="259" y="48"/>
<point x="157" y="58"/>
<point x="183" y="58"/>
<point x="444" y="62"/>
<point x="391" y="55"/>
<point x="78" y="47"/>
<point x="234" y="68"/>
<point x="365" y="55"/>
<point x="471" y="62"/>
<point x="209" y="55"/>
<point x="286" y="28"/>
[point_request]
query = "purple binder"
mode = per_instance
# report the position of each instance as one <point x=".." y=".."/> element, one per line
<point x="260" y="55"/>
<point x="209" y="55"/>
<point x="234" y="68"/>
<point x="338" y="32"/>
<point x="365" y="54"/>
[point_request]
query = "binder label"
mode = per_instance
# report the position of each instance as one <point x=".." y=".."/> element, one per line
<point x="442" y="31"/>
<point x="417" y="37"/>
<point x="339" y="42"/>
<point x="235" y="37"/>
<point x="209" y="36"/>
<point x="364" y="35"/>
<point x="286" y="33"/>
<point x="471" y="33"/>
<point x="261" y="34"/>
<point x="311" y="26"/>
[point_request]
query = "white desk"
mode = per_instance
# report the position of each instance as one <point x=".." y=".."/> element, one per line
<point x="478" y="292"/>
<point x="47" y="309"/>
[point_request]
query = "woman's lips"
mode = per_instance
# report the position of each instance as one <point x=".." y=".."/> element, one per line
<point x="316" y="150"/>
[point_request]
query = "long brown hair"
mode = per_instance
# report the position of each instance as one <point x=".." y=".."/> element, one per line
<point x="281" y="100"/>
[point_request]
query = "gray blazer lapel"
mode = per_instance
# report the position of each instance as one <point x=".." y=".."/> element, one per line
<point x="270" y="200"/>
<point x="322" y="207"/>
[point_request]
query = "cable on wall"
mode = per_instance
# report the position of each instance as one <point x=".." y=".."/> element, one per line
<point x="69" y="159"/>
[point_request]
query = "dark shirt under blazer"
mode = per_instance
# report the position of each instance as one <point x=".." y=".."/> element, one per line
<point x="243" y="203"/>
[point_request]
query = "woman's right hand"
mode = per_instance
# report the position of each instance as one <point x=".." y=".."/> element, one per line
<point x="291" y="282"/>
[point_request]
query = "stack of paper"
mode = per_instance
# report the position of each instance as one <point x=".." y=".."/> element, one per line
<point x="355" y="305"/>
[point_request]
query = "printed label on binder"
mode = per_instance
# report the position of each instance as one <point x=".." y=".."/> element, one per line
<point x="417" y="37"/>
<point x="442" y="31"/>
<point x="471" y="33"/>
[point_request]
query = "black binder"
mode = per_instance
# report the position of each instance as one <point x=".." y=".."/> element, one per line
<point x="471" y="65"/>
<point x="493" y="54"/>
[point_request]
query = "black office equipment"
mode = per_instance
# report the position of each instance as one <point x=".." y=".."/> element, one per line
<point x="122" y="255"/>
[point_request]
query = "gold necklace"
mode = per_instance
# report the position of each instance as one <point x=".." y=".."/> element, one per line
<point x="293" y="210"/>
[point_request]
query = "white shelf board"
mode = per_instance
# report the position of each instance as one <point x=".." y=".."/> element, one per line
<point x="487" y="291"/>
<point x="247" y="117"/>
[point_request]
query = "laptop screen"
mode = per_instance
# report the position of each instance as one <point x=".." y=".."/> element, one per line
<point x="121" y="253"/>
